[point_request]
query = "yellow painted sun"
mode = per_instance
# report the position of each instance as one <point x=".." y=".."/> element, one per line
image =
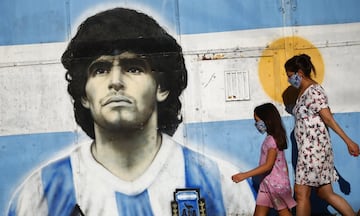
<point x="272" y="74"/>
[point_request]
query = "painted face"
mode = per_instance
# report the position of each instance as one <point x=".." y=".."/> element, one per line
<point x="121" y="92"/>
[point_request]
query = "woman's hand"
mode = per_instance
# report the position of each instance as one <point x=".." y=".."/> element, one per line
<point x="353" y="148"/>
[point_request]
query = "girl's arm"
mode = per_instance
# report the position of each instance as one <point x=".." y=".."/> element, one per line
<point x="329" y="120"/>
<point x="267" y="166"/>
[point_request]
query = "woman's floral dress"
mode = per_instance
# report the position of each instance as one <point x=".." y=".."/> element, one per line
<point x="315" y="163"/>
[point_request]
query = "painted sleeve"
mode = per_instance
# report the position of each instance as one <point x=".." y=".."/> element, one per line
<point x="28" y="199"/>
<point x="239" y="198"/>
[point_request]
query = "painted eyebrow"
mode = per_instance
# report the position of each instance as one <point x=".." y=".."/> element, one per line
<point x="130" y="60"/>
<point x="134" y="61"/>
<point x="126" y="62"/>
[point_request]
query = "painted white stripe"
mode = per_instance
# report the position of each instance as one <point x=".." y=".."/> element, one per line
<point x="34" y="98"/>
<point x="241" y="50"/>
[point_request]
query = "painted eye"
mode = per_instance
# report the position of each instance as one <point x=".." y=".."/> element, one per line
<point x="135" y="70"/>
<point x="99" y="68"/>
<point x="135" y="66"/>
<point x="100" y="71"/>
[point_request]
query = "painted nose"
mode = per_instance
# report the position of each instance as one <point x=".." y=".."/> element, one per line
<point x="116" y="79"/>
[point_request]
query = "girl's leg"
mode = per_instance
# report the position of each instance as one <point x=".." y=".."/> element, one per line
<point x="261" y="210"/>
<point x="284" y="212"/>
<point x="326" y="193"/>
<point x="302" y="195"/>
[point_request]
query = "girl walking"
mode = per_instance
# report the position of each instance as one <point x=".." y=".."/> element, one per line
<point x="275" y="190"/>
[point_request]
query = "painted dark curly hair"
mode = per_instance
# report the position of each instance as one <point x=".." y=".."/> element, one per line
<point x="121" y="29"/>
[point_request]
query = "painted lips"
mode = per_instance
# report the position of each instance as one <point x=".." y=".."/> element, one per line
<point x="117" y="100"/>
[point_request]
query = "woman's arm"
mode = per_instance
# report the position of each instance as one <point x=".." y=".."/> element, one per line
<point x="267" y="166"/>
<point x="329" y="120"/>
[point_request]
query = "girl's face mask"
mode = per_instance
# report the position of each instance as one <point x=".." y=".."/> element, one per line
<point x="295" y="80"/>
<point x="260" y="126"/>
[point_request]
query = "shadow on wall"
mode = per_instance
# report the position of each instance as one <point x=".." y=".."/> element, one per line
<point x="318" y="206"/>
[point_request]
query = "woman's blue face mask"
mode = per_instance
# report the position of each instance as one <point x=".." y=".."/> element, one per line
<point x="295" y="80"/>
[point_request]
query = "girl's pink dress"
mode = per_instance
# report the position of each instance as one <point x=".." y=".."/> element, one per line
<point x="275" y="191"/>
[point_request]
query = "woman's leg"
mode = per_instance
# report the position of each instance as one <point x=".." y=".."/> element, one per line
<point x="326" y="193"/>
<point x="261" y="210"/>
<point x="302" y="195"/>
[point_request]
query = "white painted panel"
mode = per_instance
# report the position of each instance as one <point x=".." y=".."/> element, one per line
<point x="339" y="46"/>
<point x="33" y="91"/>
<point x="204" y="99"/>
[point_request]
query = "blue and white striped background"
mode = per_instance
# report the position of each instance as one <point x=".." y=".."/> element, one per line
<point x="35" y="111"/>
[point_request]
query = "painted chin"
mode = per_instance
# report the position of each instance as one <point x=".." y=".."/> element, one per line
<point x="117" y="117"/>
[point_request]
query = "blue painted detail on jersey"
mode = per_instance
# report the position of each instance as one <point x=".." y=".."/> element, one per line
<point x="134" y="205"/>
<point x="15" y="168"/>
<point x="43" y="21"/>
<point x="204" y="174"/>
<point x="59" y="187"/>
<point x="13" y="206"/>
<point x="253" y="190"/>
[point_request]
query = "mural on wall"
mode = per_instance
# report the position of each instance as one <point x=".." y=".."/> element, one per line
<point x="198" y="85"/>
<point x="125" y="74"/>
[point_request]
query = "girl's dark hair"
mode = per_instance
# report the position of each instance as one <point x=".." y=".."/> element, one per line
<point x="302" y="62"/>
<point x="274" y="126"/>
<point x="117" y="30"/>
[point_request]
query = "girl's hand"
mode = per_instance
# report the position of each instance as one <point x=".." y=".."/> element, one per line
<point x="238" y="177"/>
<point x="353" y="148"/>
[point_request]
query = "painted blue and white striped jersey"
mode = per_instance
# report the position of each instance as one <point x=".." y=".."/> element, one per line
<point x="78" y="180"/>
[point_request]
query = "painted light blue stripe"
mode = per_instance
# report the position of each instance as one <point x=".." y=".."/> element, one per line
<point x="240" y="142"/>
<point x="310" y="12"/>
<point x="59" y="188"/>
<point x="134" y="205"/>
<point x="204" y="174"/>
<point x="219" y="16"/>
<point x="43" y="21"/>
<point x="26" y="22"/>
